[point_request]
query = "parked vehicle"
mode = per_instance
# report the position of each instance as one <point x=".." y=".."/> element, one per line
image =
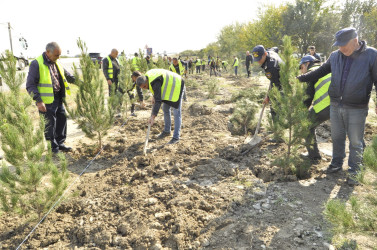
<point x="96" y="57"/>
<point x="17" y="44"/>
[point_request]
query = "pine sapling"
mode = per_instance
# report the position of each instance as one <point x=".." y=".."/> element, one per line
<point x="292" y="122"/>
<point x="243" y="117"/>
<point x="92" y="113"/>
<point x="22" y="140"/>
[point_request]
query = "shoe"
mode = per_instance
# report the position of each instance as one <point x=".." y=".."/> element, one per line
<point x="333" y="169"/>
<point x="64" y="148"/>
<point x="351" y="180"/>
<point x="173" y="141"/>
<point x="55" y="150"/>
<point x="133" y="114"/>
<point x="162" y="135"/>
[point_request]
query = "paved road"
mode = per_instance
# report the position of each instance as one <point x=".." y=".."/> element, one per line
<point x="67" y="64"/>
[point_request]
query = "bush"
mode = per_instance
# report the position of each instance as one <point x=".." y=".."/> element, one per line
<point x="243" y="118"/>
<point x="212" y="87"/>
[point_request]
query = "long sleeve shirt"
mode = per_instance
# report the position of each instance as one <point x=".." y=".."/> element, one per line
<point x="116" y="68"/>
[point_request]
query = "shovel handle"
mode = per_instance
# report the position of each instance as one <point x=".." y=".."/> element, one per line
<point x="146" y="139"/>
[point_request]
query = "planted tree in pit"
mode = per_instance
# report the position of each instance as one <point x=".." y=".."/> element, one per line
<point x="120" y="101"/>
<point x="92" y="114"/>
<point x="33" y="183"/>
<point x="292" y="122"/>
<point x="243" y="118"/>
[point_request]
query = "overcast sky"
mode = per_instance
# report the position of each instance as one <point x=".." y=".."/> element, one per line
<point x="164" y="25"/>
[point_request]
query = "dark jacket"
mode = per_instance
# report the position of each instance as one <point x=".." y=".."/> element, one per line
<point x="33" y="79"/>
<point x="310" y="90"/>
<point x="249" y="60"/>
<point x="272" y="69"/>
<point x="156" y="86"/>
<point x="361" y="77"/>
<point x="315" y="55"/>
<point x="116" y="68"/>
<point x="138" y="90"/>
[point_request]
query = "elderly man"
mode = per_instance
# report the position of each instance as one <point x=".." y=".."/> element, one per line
<point x="47" y="83"/>
<point x="111" y="71"/>
<point x="167" y="89"/>
<point x="354" y="71"/>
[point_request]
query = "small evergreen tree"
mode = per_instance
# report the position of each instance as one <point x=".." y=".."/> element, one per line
<point x="243" y="117"/>
<point x="92" y="113"/>
<point x="213" y="87"/>
<point x="121" y="101"/>
<point x="21" y="187"/>
<point x="292" y="122"/>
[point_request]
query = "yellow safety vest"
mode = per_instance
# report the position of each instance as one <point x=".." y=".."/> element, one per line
<point x="321" y="98"/>
<point x="181" y="68"/>
<point x="171" y="86"/>
<point x="198" y="62"/>
<point x="203" y="62"/>
<point x="225" y="63"/>
<point x="135" y="63"/>
<point x="236" y="63"/>
<point x="45" y="83"/>
<point x="110" y="70"/>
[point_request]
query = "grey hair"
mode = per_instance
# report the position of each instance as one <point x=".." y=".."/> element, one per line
<point x="141" y="80"/>
<point x="52" y="46"/>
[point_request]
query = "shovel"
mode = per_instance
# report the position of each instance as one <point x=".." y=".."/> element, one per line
<point x="252" y="141"/>
<point x="146" y="139"/>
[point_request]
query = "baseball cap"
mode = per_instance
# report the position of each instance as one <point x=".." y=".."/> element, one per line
<point x="258" y="52"/>
<point x="343" y="36"/>
<point x="306" y="59"/>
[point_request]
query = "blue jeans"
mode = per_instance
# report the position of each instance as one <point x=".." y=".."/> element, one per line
<point x="177" y="119"/>
<point x="351" y="122"/>
<point x="235" y="69"/>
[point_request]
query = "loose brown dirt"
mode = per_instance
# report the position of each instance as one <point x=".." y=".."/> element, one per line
<point x="199" y="194"/>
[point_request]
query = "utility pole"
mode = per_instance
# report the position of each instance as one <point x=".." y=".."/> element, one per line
<point x="10" y="37"/>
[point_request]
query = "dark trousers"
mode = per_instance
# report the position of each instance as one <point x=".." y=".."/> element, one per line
<point x="203" y="67"/>
<point x="311" y="140"/>
<point x="214" y="71"/>
<point x="56" y="122"/>
<point x="197" y="69"/>
<point x="248" y="71"/>
<point x="114" y="87"/>
<point x="131" y="96"/>
<point x="235" y="70"/>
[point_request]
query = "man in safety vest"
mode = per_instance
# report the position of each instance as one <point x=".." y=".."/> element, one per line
<point x="178" y="68"/>
<point x="47" y="82"/>
<point x="198" y="63"/>
<point x="167" y="89"/>
<point x="203" y="65"/>
<point x="317" y="92"/>
<point x="135" y="63"/>
<point x="225" y="63"/>
<point x="235" y="65"/>
<point x="132" y="92"/>
<point x="111" y="71"/>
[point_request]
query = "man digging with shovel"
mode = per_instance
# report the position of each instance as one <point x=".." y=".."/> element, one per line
<point x="167" y="88"/>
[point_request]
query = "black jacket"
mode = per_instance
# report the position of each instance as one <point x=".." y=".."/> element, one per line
<point x="249" y="60"/>
<point x="272" y="69"/>
<point x="33" y="79"/>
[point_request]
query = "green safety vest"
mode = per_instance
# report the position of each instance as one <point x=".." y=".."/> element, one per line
<point x="198" y="62"/>
<point x="45" y="83"/>
<point x="225" y="63"/>
<point x="236" y="63"/>
<point x="321" y="98"/>
<point x="203" y="62"/>
<point x="181" y="68"/>
<point x="135" y="63"/>
<point x="171" y="86"/>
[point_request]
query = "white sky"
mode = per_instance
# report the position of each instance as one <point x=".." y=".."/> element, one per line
<point x="168" y="25"/>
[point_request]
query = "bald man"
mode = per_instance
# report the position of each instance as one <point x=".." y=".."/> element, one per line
<point x="111" y="71"/>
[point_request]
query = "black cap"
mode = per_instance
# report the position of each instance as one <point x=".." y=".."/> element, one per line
<point x="258" y="52"/>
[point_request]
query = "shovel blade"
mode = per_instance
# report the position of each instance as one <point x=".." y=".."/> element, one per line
<point x="254" y="141"/>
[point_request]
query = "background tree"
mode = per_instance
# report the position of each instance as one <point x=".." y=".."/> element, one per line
<point x="292" y="115"/>
<point x="91" y="113"/>
<point x="22" y="140"/>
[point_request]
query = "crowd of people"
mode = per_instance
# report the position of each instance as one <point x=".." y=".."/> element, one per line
<point x="338" y="90"/>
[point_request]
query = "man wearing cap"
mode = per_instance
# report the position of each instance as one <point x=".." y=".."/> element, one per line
<point x="317" y="92"/>
<point x="269" y="61"/>
<point x="354" y="71"/>
<point x="313" y="53"/>
<point x="167" y="88"/>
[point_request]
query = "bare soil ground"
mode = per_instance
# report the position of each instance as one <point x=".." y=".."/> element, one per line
<point x="199" y="194"/>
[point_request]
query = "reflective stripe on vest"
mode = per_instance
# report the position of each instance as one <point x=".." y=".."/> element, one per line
<point x="110" y="70"/>
<point x="198" y="62"/>
<point x="171" y="86"/>
<point x="135" y="63"/>
<point x="45" y="83"/>
<point x="321" y="98"/>
<point x="236" y="63"/>
<point x="181" y="68"/>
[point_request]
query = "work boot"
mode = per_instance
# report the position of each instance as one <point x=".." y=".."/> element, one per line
<point x="173" y="141"/>
<point x="133" y="114"/>
<point x="162" y="135"/>
<point x="64" y="148"/>
<point x="333" y="169"/>
<point x="351" y="179"/>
